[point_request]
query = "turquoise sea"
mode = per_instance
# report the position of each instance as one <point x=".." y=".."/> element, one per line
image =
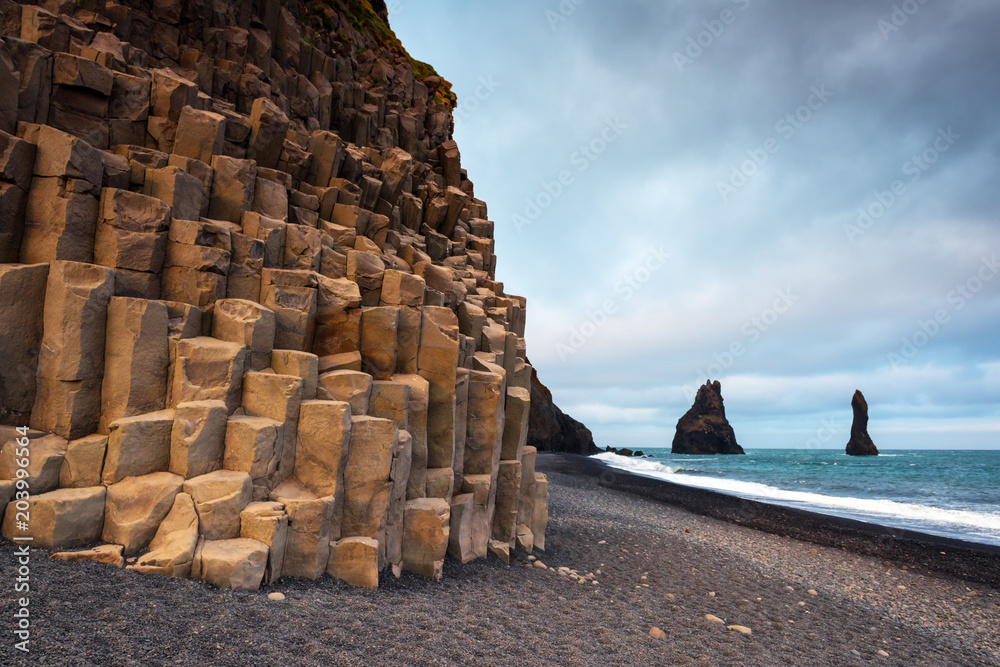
<point x="952" y="493"/>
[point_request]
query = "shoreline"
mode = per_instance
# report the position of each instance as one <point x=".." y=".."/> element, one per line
<point x="971" y="561"/>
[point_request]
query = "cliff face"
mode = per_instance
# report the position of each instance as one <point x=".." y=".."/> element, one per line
<point x="551" y="430"/>
<point x="249" y="321"/>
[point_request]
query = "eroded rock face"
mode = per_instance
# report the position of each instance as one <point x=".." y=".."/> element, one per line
<point x="704" y="429"/>
<point x="860" y="443"/>
<point x="249" y="315"/>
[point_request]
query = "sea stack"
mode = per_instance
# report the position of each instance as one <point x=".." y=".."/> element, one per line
<point x="861" y="443"/>
<point x="705" y="429"/>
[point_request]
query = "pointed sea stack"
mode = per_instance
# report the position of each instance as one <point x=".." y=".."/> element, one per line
<point x="861" y="443"/>
<point x="705" y="429"/>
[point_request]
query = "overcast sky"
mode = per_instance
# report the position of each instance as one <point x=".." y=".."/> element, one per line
<point x="799" y="199"/>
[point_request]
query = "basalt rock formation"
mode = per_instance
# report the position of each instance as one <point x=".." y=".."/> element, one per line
<point x="550" y="429"/>
<point x="860" y="443"/>
<point x="249" y="321"/>
<point x="704" y="429"/>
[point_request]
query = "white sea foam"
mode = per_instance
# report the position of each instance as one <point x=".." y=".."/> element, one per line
<point x="980" y="526"/>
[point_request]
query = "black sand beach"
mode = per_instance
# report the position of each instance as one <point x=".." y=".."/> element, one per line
<point x="832" y="592"/>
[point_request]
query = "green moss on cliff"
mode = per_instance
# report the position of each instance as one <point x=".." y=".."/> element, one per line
<point x="363" y="17"/>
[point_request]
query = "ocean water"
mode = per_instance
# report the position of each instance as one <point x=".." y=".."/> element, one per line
<point x="949" y="493"/>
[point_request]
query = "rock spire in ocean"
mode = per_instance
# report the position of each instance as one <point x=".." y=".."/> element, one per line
<point x="705" y="429"/>
<point x="861" y="443"/>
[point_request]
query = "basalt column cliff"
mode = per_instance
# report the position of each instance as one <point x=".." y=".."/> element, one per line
<point x="249" y="326"/>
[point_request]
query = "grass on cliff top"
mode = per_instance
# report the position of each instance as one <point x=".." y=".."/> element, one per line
<point x="363" y="16"/>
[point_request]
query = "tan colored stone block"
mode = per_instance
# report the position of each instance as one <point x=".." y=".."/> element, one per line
<point x="250" y="446"/>
<point x="45" y="458"/>
<point x="109" y="554"/>
<point x="277" y="397"/>
<point x="540" y="516"/>
<point x="70" y="408"/>
<point x="295" y="315"/>
<point x="136" y="506"/>
<point x="439" y="482"/>
<point x="60" y="221"/>
<point x="75" y="319"/>
<point x="83" y="462"/>
<point x="324" y="439"/>
<point x="63" y="155"/>
<point x="59" y="519"/>
<point x="219" y="497"/>
<point x="197" y="437"/>
<point x="467" y="529"/>
<point x="402" y="289"/>
<point x="515" y="428"/>
<point x="200" y="134"/>
<point x="438" y="364"/>
<point x="486" y="421"/>
<point x="245" y="268"/>
<point x="170" y="93"/>
<point x="346" y="361"/>
<point x="354" y="560"/>
<point x="303" y="247"/>
<point x="378" y="341"/>
<point x="303" y="364"/>
<point x="208" y="369"/>
<point x="238" y="563"/>
<point x="249" y="323"/>
<point x="184" y="193"/>
<point x="425" y="536"/>
<point x="267" y="522"/>
<point x="507" y="498"/>
<point x="416" y="423"/>
<point x="136" y="359"/>
<point x="199" y="288"/>
<point x="22" y="293"/>
<point x="366" y="476"/>
<point x="270" y="199"/>
<point x="233" y="188"/>
<point x="347" y="386"/>
<point x="172" y="549"/>
<point x="526" y="501"/>
<point x="310" y="528"/>
<point x="391" y="545"/>
<point x="269" y="232"/>
<point x="267" y="135"/>
<point x="138" y="446"/>
<point x="408" y="339"/>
